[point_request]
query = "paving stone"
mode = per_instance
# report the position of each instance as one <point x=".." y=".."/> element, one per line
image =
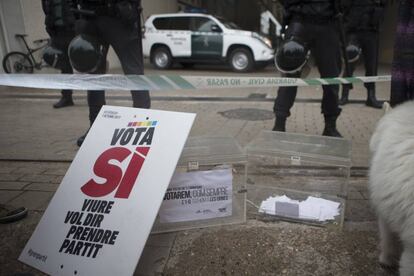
<point x="365" y="194"/>
<point x="33" y="200"/>
<point x="45" y="187"/>
<point x="9" y="177"/>
<point x="152" y="261"/>
<point x="355" y="196"/>
<point x="6" y="196"/>
<point x="30" y="168"/>
<point x="359" y="183"/>
<point x="57" y="171"/>
<point x="359" y="210"/>
<point x="6" y="169"/>
<point x="12" y="185"/>
<point x="58" y="179"/>
<point x="164" y="239"/>
<point x="39" y="178"/>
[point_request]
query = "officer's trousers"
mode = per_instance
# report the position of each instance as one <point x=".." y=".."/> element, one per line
<point x="323" y="42"/>
<point x="61" y="41"/>
<point x="127" y="44"/>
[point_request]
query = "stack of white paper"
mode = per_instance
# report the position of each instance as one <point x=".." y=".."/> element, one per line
<point x="313" y="208"/>
<point x="268" y="206"/>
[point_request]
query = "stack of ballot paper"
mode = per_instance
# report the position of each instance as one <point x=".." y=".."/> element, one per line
<point x="313" y="208"/>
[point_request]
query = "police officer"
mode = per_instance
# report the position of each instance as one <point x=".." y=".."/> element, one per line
<point x="59" y="21"/>
<point x="113" y="23"/>
<point x="362" y="20"/>
<point x="311" y="28"/>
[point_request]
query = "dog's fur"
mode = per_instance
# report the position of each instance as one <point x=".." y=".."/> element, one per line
<point x="391" y="186"/>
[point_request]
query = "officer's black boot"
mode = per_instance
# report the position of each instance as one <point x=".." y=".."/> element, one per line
<point x="80" y="140"/>
<point x="372" y="100"/>
<point x="330" y="127"/>
<point x="280" y="124"/>
<point x="64" y="101"/>
<point x="344" y="97"/>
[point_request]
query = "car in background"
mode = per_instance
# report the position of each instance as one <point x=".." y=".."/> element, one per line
<point x="190" y="38"/>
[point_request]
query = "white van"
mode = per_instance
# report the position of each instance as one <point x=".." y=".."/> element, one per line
<point x="190" y="38"/>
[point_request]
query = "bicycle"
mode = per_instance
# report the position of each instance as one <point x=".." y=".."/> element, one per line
<point x="19" y="62"/>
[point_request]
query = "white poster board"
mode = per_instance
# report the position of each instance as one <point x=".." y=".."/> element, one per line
<point x="198" y="195"/>
<point x="99" y="219"/>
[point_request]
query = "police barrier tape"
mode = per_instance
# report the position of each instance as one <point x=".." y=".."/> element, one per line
<point x="166" y="82"/>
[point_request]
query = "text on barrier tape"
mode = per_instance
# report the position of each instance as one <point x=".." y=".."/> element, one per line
<point x="166" y="82"/>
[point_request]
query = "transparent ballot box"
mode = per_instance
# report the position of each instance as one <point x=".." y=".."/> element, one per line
<point x="298" y="177"/>
<point x="208" y="187"/>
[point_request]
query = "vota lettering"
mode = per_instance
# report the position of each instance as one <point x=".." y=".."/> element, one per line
<point x="134" y="136"/>
<point x="113" y="175"/>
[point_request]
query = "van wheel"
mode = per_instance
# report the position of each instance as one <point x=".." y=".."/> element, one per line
<point x="241" y="60"/>
<point x="161" y="58"/>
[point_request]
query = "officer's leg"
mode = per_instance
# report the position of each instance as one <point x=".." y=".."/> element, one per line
<point x="66" y="98"/>
<point x="369" y="48"/>
<point x="126" y="42"/>
<point x="95" y="98"/>
<point x="353" y="38"/>
<point x="286" y="95"/>
<point x="283" y="103"/>
<point x="325" y="50"/>
<point x="346" y="87"/>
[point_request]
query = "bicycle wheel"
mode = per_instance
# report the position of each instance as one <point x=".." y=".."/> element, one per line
<point x="17" y="62"/>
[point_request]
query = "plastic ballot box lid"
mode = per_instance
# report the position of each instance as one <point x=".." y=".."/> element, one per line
<point x="211" y="150"/>
<point x="309" y="148"/>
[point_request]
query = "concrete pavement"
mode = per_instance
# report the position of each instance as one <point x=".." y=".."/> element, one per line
<point x="38" y="142"/>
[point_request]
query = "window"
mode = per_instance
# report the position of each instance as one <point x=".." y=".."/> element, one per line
<point x="172" y="23"/>
<point x="228" y="24"/>
<point x="202" y="24"/>
<point x="161" y="23"/>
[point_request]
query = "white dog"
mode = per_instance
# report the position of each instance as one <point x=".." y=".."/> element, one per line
<point x="392" y="186"/>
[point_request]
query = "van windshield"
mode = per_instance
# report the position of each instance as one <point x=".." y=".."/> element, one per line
<point x="228" y="24"/>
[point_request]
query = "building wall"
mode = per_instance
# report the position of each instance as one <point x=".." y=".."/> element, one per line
<point x="11" y="24"/>
<point x="3" y="44"/>
<point x="26" y="16"/>
<point x="33" y="20"/>
<point x="184" y="4"/>
<point x="158" y="6"/>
